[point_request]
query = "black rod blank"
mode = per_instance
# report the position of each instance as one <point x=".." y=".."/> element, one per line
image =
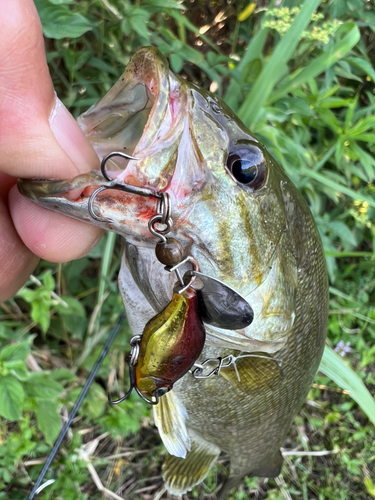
<point x="81" y="397"/>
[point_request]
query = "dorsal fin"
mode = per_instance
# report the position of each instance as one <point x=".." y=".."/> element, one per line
<point x="170" y="416"/>
<point x="181" y="474"/>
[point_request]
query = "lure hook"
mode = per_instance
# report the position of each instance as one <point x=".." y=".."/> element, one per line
<point x="226" y="362"/>
<point x="121" y="186"/>
<point x="132" y="361"/>
<point x="108" y="157"/>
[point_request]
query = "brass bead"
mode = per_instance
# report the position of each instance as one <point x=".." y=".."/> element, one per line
<point x="170" y="252"/>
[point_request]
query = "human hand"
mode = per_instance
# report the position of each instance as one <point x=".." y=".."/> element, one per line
<point x="38" y="138"/>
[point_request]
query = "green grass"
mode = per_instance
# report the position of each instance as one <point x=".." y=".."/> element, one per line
<point x="305" y="85"/>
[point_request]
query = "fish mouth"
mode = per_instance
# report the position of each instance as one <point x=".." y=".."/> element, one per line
<point x="127" y="116"/>
<point x="130" y="118"/>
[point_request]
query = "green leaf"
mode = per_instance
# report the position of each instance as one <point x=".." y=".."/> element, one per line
<point x="48" y="281"/>
<point x="15" y="352"/>
<point x="48" y="419"/>
<point x="176" y="63"/>
<point x="138" y="21"/>
<point x="11" y="398"/>
<point x="165" y="4"/>
<point x="334" y="367"/>
<point x="40" y="313"/>
<point x="74" y="307"/>
<point x="252" y="70"/>
<point x="19" y="370"/>
<point x="337" y="187"/>
<point x="60" y="22"/>
<point x="277" y="65"/>
<point x="42" y="386"/>
<point x="102" y="66"/>
<point x="319" y="64"/>
<point x="363" y="65"/>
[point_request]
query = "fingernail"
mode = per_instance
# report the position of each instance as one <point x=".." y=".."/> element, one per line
<point x="71" y="138"/>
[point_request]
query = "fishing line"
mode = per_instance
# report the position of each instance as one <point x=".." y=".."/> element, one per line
<point x="36" y="489"/>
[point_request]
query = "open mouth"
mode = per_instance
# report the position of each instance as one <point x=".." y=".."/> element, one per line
<point x="121" y="119"/>
<point x="127" y="119"/>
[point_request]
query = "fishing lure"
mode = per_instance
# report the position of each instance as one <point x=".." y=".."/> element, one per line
<point x="172" y="340"/>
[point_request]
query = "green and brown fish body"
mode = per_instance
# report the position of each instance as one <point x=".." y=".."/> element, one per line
<point x="236" y="212"/>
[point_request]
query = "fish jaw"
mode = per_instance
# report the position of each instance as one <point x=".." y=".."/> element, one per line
<point x="142" y="115"/>
<point x="117" y="211"/>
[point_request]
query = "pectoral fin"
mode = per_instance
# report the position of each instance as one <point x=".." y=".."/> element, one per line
<point x="181" y="474"/>
<point x="170" y="416"/>
<point x="252" y="373"/>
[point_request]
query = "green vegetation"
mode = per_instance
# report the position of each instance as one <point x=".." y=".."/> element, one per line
<point x="301" y="75"/>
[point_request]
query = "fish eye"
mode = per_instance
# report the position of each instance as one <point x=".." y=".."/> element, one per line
<point x="161" y="391"/>
<point x="247" y="164"/>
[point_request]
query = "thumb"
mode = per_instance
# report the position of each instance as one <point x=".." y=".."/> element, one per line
<point x="38" y="136"/>
<point x="33" y="124"/>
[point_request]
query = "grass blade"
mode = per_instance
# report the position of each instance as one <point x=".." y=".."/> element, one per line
<point x="337" y="187"/>
<point x="318" y="65"/>
<point x="106" y="263"/>
<point x="334" y="367"/>
<point x="277" y="65"/>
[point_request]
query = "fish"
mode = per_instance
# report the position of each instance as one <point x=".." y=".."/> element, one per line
<point x="236" y="212"/>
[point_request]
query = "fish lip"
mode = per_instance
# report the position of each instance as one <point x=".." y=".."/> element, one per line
<point x="148" y="69"/>
<point x="155" y="75"/>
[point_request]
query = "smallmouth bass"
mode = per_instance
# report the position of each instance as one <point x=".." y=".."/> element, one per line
<point x="237" y="213"/>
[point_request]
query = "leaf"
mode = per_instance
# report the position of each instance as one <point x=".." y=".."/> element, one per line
<point x="42" y="386"/>
<point x="48" y="419"/>
<point x="252" y="70"/>
<point x="246" y="12"/>
<point x="165" y="4"/>
<point x="40" y="313"/>
<point x="277" y="65"/>
<point x="18" y="369"/>
<point x="138" y="21"/>
<point x="319" y="64"/>
<point x="334" y="367"/>
<point x="176" y="63"/>
<point x="337" y="187"/>
<point x="11" y="398"/>
<point x="74" y="307"/>
<point x="363" y="65"/>
<point x="254" y="51"/>
<point x="102" y="66"/>
<point x="15" y="352"/>
<point x="60" y="22"/>
<point x="48" y="281"/>
<point x="343" y="232"/>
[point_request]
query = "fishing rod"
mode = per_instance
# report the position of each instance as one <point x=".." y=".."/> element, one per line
<point x="38" y="486"/>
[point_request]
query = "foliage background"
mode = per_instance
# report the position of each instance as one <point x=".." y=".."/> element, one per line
<point x="303" y="80"/>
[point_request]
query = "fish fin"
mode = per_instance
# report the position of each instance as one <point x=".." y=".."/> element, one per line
<point x="180" y="475"/>
<point x="270" y="467"/>
<point x="253" y="374"/>
<point x="170" y="416"/>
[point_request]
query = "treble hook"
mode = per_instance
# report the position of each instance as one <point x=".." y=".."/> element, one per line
<point x="134" y="353"/>
<point x="226" y="362"/>
<point x="114" y="184"/>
